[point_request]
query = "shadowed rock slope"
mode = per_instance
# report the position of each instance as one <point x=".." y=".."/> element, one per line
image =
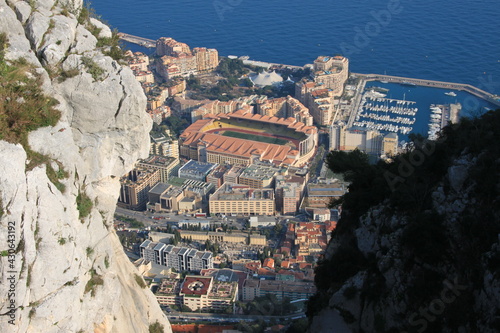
<point x="417" y="246"/>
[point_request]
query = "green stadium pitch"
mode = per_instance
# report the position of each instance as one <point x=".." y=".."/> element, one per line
<point x="256" y="137"/>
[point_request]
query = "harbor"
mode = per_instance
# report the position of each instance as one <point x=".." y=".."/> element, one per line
<point x="371" y="109"/>
<point x="491" y="98"/>
<point x="440" y="116"/>
<point x="376" y="112"/>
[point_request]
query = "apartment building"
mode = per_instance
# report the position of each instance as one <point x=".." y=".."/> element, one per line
<point x="170" y="47"/>
<point x="369" y="141"/>
<point x="332" y="73"/>
<point x="284" y="107"/>
<point x="206" y="59"/>
<point x="241" y="199"/>
<point x="216" y="176"/>
<point x="321" y="105"/>
<point x="166" y="165"/>
<point x="258" y="176"/>
<point x="320" y="195"/>
<point x="180" y="258"/>
<point x="232" y="176"/>
<point x="135" y="187"/>
<point x="163" y="146"/>
<point x="219" y="237"/>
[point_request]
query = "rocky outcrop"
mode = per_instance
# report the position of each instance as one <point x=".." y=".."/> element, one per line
<point x="68" y="272"/>
<point x="426" y="256"/>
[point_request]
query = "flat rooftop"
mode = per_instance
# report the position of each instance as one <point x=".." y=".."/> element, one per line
<point x="159" y="188"/>
<point x="158" y="160"/>
<point x="196" y="168"/>
<point x="230" y="191"/>
<point x="259" y="172"/>
<point x="196" y="285"/>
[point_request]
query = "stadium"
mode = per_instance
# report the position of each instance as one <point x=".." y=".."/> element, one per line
<point x="243" y="138"/>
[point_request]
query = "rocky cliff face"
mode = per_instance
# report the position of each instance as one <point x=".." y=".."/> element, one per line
<point x="68" y="272"/>
<point x="417" y="248"/>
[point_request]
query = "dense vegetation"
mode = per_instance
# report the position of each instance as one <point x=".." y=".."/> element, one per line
<point x="430" y="249"/>
<point x="176" y="124"/>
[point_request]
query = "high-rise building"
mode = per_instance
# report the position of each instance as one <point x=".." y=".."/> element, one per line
<point x="206" y="59"/>
<point x="288" y="197"/>
<point x="170" y="47"/>
<point x="321" y="106"/>
<point x="135" y="187"/>
<point x="331" y="73"/>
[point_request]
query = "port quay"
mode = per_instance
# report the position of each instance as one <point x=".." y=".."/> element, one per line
<point x="494" y="99"/>
<point x="145" y="42"/>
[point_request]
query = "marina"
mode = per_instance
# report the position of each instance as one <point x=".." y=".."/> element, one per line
<point x="404" y="109"/>
<point x="376" y="112"/>
<point x="440" y="116"/>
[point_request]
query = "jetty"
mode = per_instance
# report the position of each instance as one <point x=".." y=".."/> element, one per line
<point x="493" y="99"/>
<point x="145" y="42"/>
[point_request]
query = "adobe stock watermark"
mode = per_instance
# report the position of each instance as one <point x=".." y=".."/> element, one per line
<point x="381" y="19"/>
<point x="428" y="314"/>
<point x="223" y="6"/>
<point x="416" y="158"/>
<point x="426" y="147"/>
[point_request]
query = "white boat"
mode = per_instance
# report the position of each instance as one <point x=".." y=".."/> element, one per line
<point x="451" y="93"/>
<point x="436" y="109"/>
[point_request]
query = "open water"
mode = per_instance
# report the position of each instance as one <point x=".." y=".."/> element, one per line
<point x="454" y="41"/>
<point x="445" y="40"/>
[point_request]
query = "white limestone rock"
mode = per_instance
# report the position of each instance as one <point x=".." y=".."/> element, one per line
<point x="19" y="46"/>
<point x="84" y="41"/>
<point x="105" y="31"/>
<point x="23" y="11"/>
<point x="103" y="130"/>
<point x="36" y="27"/>
<point x="45" y="4"/>
<point x="58" y="39"/>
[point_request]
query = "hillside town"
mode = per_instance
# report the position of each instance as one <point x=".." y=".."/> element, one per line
<point x="233" y="203"/>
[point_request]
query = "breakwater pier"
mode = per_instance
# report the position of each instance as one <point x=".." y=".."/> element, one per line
<point x="434" y="84"/>
<point x="145" y="42"/>
<point x="494" y="99"/>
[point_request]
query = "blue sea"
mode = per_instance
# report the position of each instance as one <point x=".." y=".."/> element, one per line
<point x="454" y="41"/>
<point x="445" y="40"/>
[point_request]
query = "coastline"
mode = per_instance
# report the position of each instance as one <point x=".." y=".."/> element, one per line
<point x="489" y="97"/>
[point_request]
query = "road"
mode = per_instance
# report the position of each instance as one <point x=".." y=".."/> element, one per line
<point x="165" y="218"/>
<point x="188" y="316"/>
